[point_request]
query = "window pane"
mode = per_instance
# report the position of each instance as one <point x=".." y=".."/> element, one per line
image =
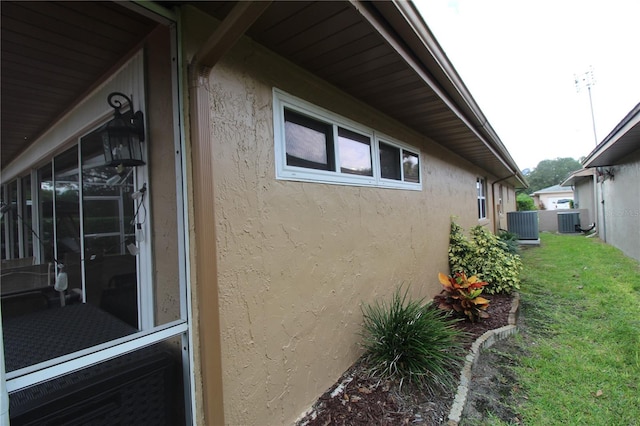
<point x="45" y="176"/>
<point x="105" y="215"/>
<point x="389" y="161"/>
<point x="3" y="255"/>
<point x="411" y="167"/>
<point x="482" y="202"/>
<point x="67" y="216"/>
<point x="355" y="153"/>
<point x="13" y="221"/>
<point x="143" y="387"/>
<point x="480" y="187"/>
<point x="105" y="245"/>
<point x="110" y="269"/>
<point x="309" y="143"/>
<point x="27" y="217"/>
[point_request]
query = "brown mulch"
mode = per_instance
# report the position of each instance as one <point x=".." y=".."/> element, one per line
<point x="357" y="399"/>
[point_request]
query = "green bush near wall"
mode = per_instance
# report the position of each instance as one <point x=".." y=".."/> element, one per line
<point x="524" y="203"/>
<point x="484" y="255"/>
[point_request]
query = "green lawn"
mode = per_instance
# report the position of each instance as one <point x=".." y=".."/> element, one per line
<point x="581" y="307"/>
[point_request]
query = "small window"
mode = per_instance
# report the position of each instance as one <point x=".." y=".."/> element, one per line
<point x="482" y="198"/>
<point x="390" y="162"/>
<point x="355" y="153"/>
<point x="309" y="142"/>
<point x="410" y="166"/>
<point x="315" y="145"/>
<point x="407" y="170"/>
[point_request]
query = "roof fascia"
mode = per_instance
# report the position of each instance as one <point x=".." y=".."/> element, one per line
<point x="631" y="120"/>
<point x="420" y="43"/>
<point x="577" y="176"/>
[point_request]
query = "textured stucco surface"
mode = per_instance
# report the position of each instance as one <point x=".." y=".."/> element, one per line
<point x="621" y="196"/>
<point x="584" y="198"/>
<point x="548" y="219"/>
<point x="296" y="260"/>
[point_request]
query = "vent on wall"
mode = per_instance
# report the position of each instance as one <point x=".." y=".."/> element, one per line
<point x="524" y="224"/>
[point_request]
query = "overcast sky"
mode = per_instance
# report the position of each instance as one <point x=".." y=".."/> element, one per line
<point x="519" y="59"/>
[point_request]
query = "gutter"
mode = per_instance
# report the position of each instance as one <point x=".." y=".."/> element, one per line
<point x="449" y="86"/>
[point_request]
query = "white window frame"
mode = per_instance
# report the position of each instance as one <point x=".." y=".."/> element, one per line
<point x="481" y="190"/>
<point x="282" y="100"/>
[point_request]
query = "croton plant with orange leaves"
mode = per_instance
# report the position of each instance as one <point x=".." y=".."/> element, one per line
<point x="462" y="294"/>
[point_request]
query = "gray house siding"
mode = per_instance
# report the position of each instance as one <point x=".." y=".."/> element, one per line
<point x="619" y="206"/>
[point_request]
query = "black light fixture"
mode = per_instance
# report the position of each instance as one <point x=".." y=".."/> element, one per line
<point x="122" y="136"/>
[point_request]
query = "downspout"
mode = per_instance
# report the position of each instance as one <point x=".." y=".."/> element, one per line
<point x="496" y="227"/>
<point x="234" y="26"/>
<point x="594" y="201"/>
<point x="206" y="268"/>
<point x="603" y="219"/>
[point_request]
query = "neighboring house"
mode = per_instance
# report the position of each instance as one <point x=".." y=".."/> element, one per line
<point x="615" y="166"/>
<point x="554" y="203"/>
<point x="581" y="181"/>
<point x="554" y="197"/>
<point x="299" y="159"/>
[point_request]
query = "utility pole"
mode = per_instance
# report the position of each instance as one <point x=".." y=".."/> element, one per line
<point x="587" y="80"/>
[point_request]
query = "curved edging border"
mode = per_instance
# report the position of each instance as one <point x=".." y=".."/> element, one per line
<point x="485" y="341"/>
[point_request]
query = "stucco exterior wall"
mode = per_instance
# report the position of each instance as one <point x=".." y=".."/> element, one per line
<point x="584" y="199"/>
<point x="548" y="219"/>
<point x="297" y="260"/>
<point x="621" y="195"/>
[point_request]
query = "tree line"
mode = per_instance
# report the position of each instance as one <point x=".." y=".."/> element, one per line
<point x="547" y="173"/>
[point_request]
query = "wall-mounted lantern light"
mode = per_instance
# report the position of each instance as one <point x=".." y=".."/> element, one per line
<point x="122" y="136"/>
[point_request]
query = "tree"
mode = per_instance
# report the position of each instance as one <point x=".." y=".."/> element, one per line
<point x="551" y="172"/>
<point x="524" y="202"/>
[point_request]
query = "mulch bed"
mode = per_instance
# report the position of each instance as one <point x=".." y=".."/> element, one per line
<point x="357" y="399"/>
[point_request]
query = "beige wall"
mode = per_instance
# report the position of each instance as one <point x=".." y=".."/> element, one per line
<point x="296" y="260"/>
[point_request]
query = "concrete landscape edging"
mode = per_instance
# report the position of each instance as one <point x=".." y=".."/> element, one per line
<point x="485" y="341"/>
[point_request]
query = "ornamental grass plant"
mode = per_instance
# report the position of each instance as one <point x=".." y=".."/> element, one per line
<point x="408" y="340"/>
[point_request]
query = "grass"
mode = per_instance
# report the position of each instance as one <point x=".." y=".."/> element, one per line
<point x="581" y="307"/>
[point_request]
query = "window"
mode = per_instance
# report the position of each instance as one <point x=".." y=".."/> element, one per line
<point x="355" y="153"/>
<point x="482" y="198"/>
<point x="315" y="145"/>
<point x="309" y="143"/>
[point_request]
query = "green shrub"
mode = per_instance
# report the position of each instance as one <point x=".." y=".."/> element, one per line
<point x="510" y="239"/>
<point x="486" y="256"/>
<point x="407" y="340"/>
<point x="462" y="295"/>
<point x="524" y="202"/>
<point x="460" y="248"/>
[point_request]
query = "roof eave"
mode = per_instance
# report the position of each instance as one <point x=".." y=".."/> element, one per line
<point x="623" y="139"/>
<point x="408" y="21"/>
